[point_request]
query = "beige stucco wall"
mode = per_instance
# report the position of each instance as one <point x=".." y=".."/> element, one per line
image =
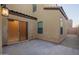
<point x="26" y="9"/>
<point x="0" y="32"/>
<point x="50" y="33"/>
<point x="50" y="18"/>
<point x="4" y="30"/>
<point x="51" y="24"/>
<point x="31" y="28"/>
<point x="22" y="8"/>
<point x="65" y="26"/>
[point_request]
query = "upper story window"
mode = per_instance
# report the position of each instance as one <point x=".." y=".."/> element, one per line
<point x="34" y="7"/>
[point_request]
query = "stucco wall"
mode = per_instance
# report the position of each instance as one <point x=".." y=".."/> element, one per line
<point x="50" y="18"/>
<point x="51" y="24"/>
<point x="26" y="9"/>
<point x="4" y="30"/>
<point x="22" y="8"/>
<point x="31" y="28"/>
<point x="65" y="26"/>
<point x="0" y="32"/>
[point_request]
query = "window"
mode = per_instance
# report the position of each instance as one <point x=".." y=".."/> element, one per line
<point x="61" y="26"/>
<point x="61" y="22"/>
<point x="61" y="30"/>
<point x="34" y="7"/>
<point x="40" y="27"/>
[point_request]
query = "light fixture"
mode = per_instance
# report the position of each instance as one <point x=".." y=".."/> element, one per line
<point x="5" y="11"/>
<point x="61" y="19"/>
<point x="61" y="22"/>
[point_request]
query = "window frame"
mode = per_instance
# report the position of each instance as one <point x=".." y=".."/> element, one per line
<point x="61" y="30"/>
<point x="61" y="26"/>
<point x="34" y="7"/>
<point x="40" y="29"/>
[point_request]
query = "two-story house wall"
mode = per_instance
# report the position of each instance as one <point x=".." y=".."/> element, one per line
<point x="31" y="21"/>
<point x="20" y="25"/>
<point x="52" y="23"/>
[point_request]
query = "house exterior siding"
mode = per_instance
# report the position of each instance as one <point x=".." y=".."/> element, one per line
<point x="22" y="8"/>
<point x="51" y="24"/>
<point x="50" y="19"/>
<point x="25" y="9"/>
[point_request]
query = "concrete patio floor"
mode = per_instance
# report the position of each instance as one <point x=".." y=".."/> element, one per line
<point x="40" y="47"/>
<point x="71" y="41"/>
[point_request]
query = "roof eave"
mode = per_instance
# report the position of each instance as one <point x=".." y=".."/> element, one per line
<point x="57" y="8"/>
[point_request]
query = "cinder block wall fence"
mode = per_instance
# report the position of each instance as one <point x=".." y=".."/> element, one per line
<point x="78" y="31"/>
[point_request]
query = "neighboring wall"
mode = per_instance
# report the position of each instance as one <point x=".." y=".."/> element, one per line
<point x="70" y="22"/>
<point x="73" y="31"/>
<point x="78" y="30"/>
<point x="70" y="28"/>
<point x="0" y="32"/>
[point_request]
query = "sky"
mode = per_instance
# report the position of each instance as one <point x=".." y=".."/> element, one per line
<point x="72" y="11"/>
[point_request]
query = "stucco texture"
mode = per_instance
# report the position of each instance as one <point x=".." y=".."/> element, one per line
<point x="51" y="24"/>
